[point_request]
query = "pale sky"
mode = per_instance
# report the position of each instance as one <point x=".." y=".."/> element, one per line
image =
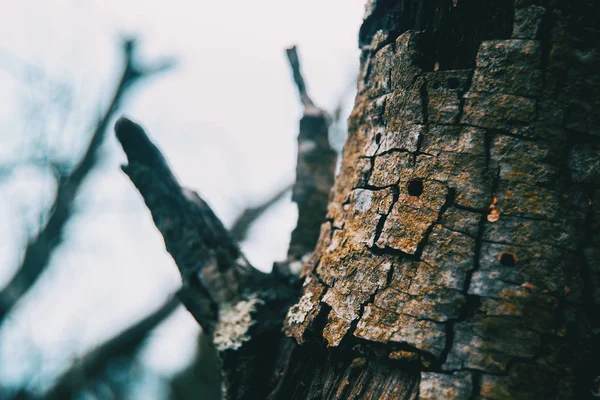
<point x="226" y="119"/>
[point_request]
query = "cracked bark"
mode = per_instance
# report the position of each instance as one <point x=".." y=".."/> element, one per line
<point x="462" y="228"/>
<point x="459" y="254"/>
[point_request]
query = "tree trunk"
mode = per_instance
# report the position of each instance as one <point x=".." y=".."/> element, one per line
<point x="460" y="255"/>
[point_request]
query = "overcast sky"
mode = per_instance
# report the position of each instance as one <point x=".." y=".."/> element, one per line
<point x="226" y="119"/>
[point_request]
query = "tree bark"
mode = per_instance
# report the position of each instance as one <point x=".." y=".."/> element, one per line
<point x="462" y="244"/>
<point x="460" y="253"/>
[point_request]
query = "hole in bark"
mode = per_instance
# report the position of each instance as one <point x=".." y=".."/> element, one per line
<point x="436" y="85"/>
<point x="415" y="187"/>
<point x="453" y="83"/>
<point x="378" y="138"/>
<point x="507" y="259"/>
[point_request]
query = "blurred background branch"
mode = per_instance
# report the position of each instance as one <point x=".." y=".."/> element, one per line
<point x="39" y="250"/>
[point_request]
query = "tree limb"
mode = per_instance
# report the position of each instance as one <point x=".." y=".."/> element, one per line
<point x="127" y="343"/>
<point x="215" y="272"/>
<point x="39" y="250"/>
<point x="292" y="56"/>
<point x="241" y="307"/>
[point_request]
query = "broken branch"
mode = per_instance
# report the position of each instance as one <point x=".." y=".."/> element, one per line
<point x="315" y="169"/>
<point x="292" y="56"/>
<point x="215" y="272"/>
<point x="239" y="306"/>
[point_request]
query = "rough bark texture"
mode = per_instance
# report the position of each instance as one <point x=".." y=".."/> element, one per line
<point x="460" y="254"/>
<point x="461" y="246"/>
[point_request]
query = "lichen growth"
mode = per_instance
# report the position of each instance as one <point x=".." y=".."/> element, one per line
<point x="297" y="314"/>
<point x="234" y="323"/>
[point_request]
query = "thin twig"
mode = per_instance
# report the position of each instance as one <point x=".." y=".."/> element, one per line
<point x="240" y="227"/>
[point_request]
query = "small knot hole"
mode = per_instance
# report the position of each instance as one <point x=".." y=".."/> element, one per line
<point x="415" y="187"/>
<point x="453" y="83"/>
<point x="507" y="259"/>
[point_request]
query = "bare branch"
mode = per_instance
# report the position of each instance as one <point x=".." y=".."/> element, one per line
<point x="94" y="363"/>
<point x="239" y="228"/>
<point x="315" y="169"/>
<point x="239" y="306"/>
<point x="215" y="272"/>
<point x="39" y="250"/>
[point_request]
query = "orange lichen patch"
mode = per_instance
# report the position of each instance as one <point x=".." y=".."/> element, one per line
<point x="405" y="227"/>
<point x="493" y="212"/>
<point x="507" y="259"/>
<point x="493" y="215"/>
<point x="528" y="285"/>
<point x="336" y="329"/>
